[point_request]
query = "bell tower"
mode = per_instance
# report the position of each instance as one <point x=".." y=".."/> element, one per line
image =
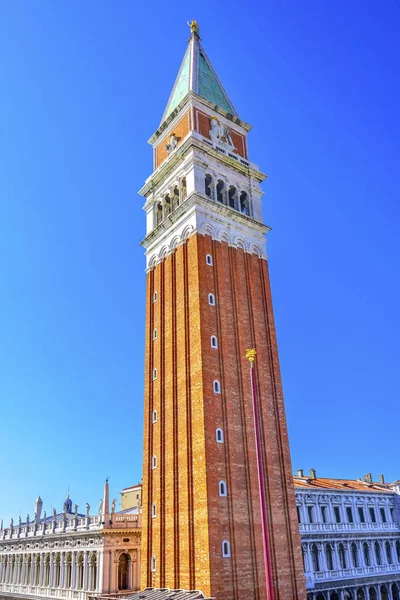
<point x="208" y="300"/>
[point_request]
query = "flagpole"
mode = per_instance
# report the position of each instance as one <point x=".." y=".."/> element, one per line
<point x="251" y="356"/>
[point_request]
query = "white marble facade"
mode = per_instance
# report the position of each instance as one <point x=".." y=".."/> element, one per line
<point x="71" y="555"/>
<point x="350" y="540"/>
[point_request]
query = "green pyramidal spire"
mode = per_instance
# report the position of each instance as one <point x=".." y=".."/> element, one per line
<point x="196" y="74"/>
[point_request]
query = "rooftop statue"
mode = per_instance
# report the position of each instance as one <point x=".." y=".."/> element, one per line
<point x="194" y="28"/>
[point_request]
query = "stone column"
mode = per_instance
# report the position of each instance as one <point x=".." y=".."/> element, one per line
<point x="309" y="558"/>
<point x="74" y="570"/>
<point x="23" y="570"/>
<point x="86" y="571"/>
<point x="51" y="575"/>
<point x="372" y="553"/>
<point x="62" y="569"/>
<point x="335" y="556"/>
<point x="138" y="558"/>
<point x="322" y="557"/>
<point x="16" y="569"/>
<point x="41" y="570"/>
<point x="98" y="584"/>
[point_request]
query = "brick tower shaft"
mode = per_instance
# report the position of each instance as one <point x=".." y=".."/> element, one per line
<point x="208" y="299"/>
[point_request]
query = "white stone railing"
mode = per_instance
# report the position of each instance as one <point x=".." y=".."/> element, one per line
<point x="50" y="528"/>
<point x="341" y="527"/>
<point x="45" y="592"/>
<point x="131" y="520"/>
<point x="356" y="572"/>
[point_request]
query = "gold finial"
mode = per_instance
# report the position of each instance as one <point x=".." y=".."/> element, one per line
<point x="250" y="354"/>
<point x="194" y="28"/>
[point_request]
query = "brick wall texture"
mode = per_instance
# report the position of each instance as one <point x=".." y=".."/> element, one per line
<point x="192" y="518"/>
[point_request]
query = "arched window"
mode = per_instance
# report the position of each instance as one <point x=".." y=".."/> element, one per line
<point x="367" y="557"/>
<point x="360" y="594"/>
<point x="378" y="553"/>
<point x="395" y="592"/>
<point x="153" y="563"/>
<point x="354" y="555"/>
<point x="209" y="260"/>
<point x="329" y="557"/>
<point x="219" y="435"/>
<point x="93" y="572"/>
<point x="334" y="596"/>
<point x="154" y="373"/>
<point x="154" y="510"/>
<point x="226" y="549"/>
<point x="214" y="342"/>
<point x="68" y="572"/>
<point x="244" y="203"/>
<point x="155" y="297"/>
<point x="211" y="299"/>
<point x="183" y="188"/>
<point x="222" y="488"/>
<point x="384" y="593"/>
<point x="310" y="512"/>
<point x="79" y="578"/>
<point x="372" y="593"/>
<point x="57" y="571"/>
<point x="209" y="186"/>
<point x="159" y="213"/>
<point x="342" y="557"/>
<point x="389" y="556"/>
<point x="123" y="571"/>
<point x="175" y="198"/>
<point x="154" y="416"/>
<point x="398" y="550"/>
<point x="315" y="557"/>
<point x="154" y="334"/>
<point x="232" y="197"/>
<point x="167" y="206"/>
<point x="221" y="192"/>
<point x="154" y="462"/>
<point x="216" y="387"/>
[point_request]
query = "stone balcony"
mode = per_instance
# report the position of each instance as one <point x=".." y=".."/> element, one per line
<point x="356" y="572"/>
<point x="347" y="527"/>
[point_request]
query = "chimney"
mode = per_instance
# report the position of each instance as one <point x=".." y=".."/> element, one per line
<point x="38" y="509"/>
<point x="382" y="478"/>
<point x="300" y="473"/>
<point x="368" y="478"/>
<point x="313" y="474"/>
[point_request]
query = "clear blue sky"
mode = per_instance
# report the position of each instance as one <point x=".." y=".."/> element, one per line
<point x="83" y="86"/>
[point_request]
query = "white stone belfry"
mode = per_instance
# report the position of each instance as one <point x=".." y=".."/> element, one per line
<point x="203" y="181"/>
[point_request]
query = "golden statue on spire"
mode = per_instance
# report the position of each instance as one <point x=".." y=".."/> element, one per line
<point x="251" y="354"/>
<point x="194" y="27"/>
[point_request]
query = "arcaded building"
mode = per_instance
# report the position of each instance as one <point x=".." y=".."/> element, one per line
<point x="71" y="554"/>
<point x="350" y="534"/>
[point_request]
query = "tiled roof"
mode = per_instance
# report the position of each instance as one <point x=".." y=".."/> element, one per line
<point x="166" y="594"/>
<point x="341" y="484"/>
